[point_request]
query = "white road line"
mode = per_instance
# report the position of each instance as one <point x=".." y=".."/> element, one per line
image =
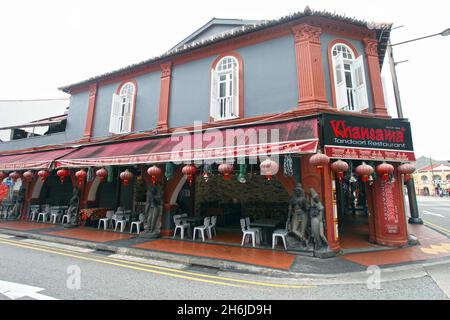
<point x="433" y="214"/>
<point x="58" y="245"/>
<point x="148" y="261"/>
<point x="5" y="236"/>
<point x="15" y="291"/>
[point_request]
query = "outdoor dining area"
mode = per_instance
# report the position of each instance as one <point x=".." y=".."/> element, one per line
<point x="262" y="233"/>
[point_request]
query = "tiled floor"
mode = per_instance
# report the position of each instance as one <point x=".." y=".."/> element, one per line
<point x="355" y="236"/>
<point x="261" y="257"/>
<point x="25" y="225"/>
<point x="433" y="245"/>
<point x="89" y="234"/>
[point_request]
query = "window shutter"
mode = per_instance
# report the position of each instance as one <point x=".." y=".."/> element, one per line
<point x="235" y="91"/>
<point x="214" y="109"/>
<point x="360" y="82"/>
<point x="339" y="82"/>
<point x="114" y="122"/>
<point x="128" y="112"/>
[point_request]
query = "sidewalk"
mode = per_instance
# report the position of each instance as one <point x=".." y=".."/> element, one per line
<point x="434" y="247"/>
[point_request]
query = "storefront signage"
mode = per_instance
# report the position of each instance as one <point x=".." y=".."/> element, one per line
<point x="348" y="137"/>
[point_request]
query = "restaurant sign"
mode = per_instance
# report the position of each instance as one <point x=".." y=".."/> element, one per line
<point x="347" y="137"/>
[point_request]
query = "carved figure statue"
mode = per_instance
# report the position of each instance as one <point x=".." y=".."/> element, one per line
<point x="153" y="212"/>
<point x="317" y="223"/>
<point x="298" y="213"/>
<point x="17" y="208"/>
<point x="74" y="204"/>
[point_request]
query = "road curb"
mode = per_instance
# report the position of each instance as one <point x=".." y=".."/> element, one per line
<point x="403" y="272"/>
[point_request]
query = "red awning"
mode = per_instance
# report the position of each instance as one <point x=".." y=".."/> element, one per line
<point x="36" y="160"/>
<point x="299" y="136"/>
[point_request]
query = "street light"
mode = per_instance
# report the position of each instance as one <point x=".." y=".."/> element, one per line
<point x="414" y="211"/>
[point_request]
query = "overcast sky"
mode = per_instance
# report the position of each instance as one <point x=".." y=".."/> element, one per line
<point x="50" y="43"/>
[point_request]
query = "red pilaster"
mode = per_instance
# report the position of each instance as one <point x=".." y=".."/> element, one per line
<point x="90" y="114"/>
<point x="373" y="65"/>
<point x="164" y="98"/>
<point x="310" y="72"/>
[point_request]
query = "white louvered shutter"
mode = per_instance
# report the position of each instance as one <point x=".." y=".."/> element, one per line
<point x="235" y="92"/>
<point x="214" y="106"/>
<point x="114" y="122"/>
<point x="339" y="82"/>
<point x="360" y="83"/>
<point x="128" y="112"/>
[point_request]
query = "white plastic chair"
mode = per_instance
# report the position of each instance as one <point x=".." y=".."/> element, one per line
<point x="44" y="214"/>
<point x="180" y="225"/>
<point x="107" y="220"/>
<point x="55" y="214"/>
<point x="138" y="223"/>
<point x="248" y="232"/>
<point x="280" y="233"/>
<point x="33" y="212"/>
<point x="66" y="218"/>
<point x="258" y="230"/>
<point x="122" y="223"/>
<point x="202" y="228"/>
<point x="212" y="226"/>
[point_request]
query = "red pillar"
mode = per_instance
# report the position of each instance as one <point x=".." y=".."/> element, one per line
<point x="310" y="72"/>
<point x="389" y="213"/>
<point x="164" y="99"/>
<point x="373" y="65"/>
<point x="90" y="113"/>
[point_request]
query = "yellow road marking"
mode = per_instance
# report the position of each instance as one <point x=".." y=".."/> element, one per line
<point x="437" y="227"/>
<point x="126" y="263"/>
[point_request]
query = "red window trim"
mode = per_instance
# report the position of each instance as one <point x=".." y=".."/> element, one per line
<point x="238" y="57"/>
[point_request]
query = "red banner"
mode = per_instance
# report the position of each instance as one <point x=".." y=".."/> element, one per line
<point x="369" y="154"/>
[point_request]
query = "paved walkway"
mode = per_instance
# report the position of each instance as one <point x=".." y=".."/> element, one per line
<point x="433" y="246"/>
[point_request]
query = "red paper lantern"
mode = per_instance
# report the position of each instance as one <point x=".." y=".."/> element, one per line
<point x="269" y="168"/>
<point x="126" y="176"/>
<point x="407" y="169"/>
<point x="28" y="175"/>
<point x="81" y="176"/>
<point x="384" y="169"/>
<point x="62" y="174"/>
<point x="43" y="174"/>
<point x="319" y="160"/>
<point x="364" y="171"/>
<point x="154" y="172"/>
<point x="102" y="174"/>
<point x="14" y="176"/>
<point x="339" y="167"/>
<point x="226" y="169"/>
<point x="3" y="175"/>
<point x="189" y="171"/>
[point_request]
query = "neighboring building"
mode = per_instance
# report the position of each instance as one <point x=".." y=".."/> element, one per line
<point x="313" y="76"/>
<point x="433" y="180"/>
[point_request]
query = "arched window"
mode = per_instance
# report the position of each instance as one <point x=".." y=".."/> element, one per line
<point x="448" y="177"/>
<point x="437" y="178"/>
<point x="225" y="89"/>
<point x="122" y="109"/>
<point x="349" y="79"/>
<point x="424" y="178"/>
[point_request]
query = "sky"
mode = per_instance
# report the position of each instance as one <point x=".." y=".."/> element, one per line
<point x="47" y="44"/>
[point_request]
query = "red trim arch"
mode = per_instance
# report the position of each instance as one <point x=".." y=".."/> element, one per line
<point x="330" y="63"/>
<point x="119" y="88"/>
<point x="238" y="57"/>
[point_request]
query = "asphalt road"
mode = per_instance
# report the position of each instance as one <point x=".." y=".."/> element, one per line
<point x="37" y="270"/>
<point x="435" y="212"/>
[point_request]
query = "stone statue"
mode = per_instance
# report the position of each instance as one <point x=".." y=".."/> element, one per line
<point x="18" y="205"/>
<point x="72" y="211"/>
<point x="298" y="214"/>
<point x="317" y="222"/>
<point x="153" y="212"/>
